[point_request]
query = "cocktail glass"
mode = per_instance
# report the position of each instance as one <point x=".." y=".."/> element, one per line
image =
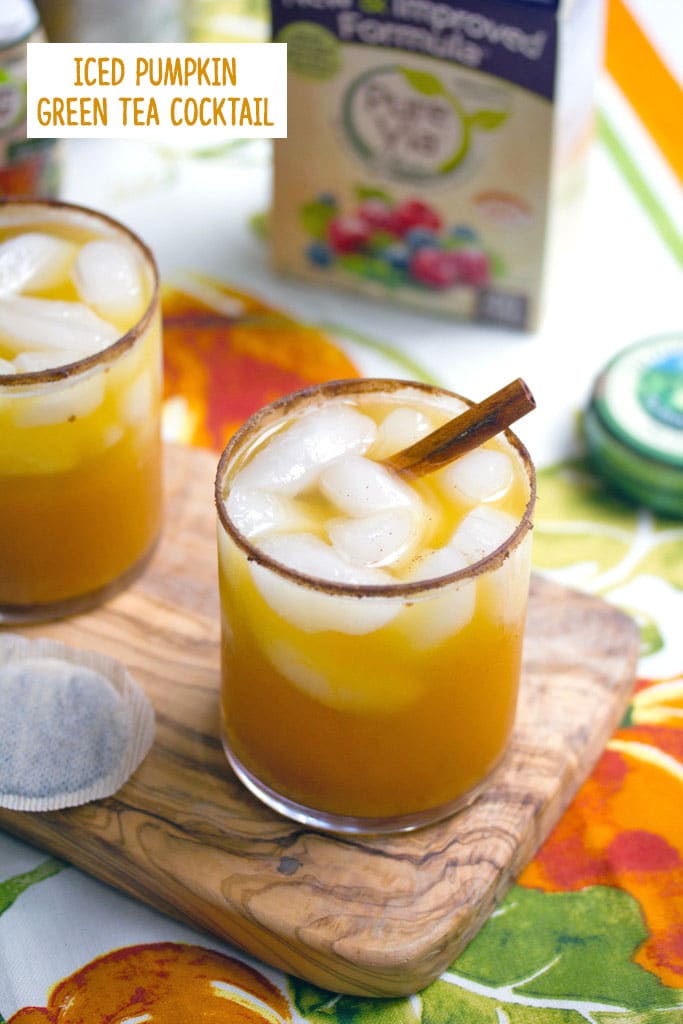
<point x="80" y="451"/>
<point x="368" y="708"/>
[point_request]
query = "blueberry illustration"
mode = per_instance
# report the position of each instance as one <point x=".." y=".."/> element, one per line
<point x="418" y="238"/>
<point x="320" y="254"/>
<point x="464" y="233"/>
<point x="397" y="256"/>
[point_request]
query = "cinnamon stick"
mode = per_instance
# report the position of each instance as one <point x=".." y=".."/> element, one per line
<point x="465" y="432"/>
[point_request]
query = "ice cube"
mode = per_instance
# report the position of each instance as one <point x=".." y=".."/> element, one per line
<point x="292" y="459"/>
<point x="361" y="487"/>
<point x="311" y="556"/>
<point x="482" y="531"/>
<point x="366" y="689"/>
<point x="255" y="512"/>
<point x="112" y="435"/>
<point x="108" y="277"/>
<point x="35" y="362"/>
<point x="137" y="401"/>
<point x="382" y="539"/>
<point x="293" y="665"/>
<point x="72" y="313"/>
<point x="67" y="401"/>
<point x="69" y="329"/>
<point x="34" y="262"/>
<point x="308" y="609"/>
<point x="401" y="428"/>
<point x="433" y="619"/>
<point x="483" y="474"/>
<point x="506" y="589"/>
<point x="436" y="563"/>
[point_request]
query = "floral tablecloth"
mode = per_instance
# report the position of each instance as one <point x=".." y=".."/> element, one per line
<point x="593" y="929"/>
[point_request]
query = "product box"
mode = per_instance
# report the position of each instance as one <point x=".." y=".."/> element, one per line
<point x="428" y="143"/>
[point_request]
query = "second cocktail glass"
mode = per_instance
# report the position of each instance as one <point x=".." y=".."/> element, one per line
<point x="80" y="399"/>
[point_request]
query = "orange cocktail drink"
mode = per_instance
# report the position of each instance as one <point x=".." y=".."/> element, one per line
<point x="80" y="395"/>
<point x="371" y="624"/>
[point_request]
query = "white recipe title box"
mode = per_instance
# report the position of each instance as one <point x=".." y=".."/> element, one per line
<point x="195" y="92"/>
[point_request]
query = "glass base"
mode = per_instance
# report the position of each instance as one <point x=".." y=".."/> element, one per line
<point x="346" y="824"/>
<point x="27" y="614"/>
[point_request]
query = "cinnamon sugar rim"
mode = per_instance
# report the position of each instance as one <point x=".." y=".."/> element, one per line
<point x="270" y="414"/>
<point x="127" y="340"/>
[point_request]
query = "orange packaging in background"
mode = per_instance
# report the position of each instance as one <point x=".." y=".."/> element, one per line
<point x="430" y="144"/>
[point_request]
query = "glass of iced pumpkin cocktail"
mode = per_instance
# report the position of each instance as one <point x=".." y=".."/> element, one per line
<point x="371" y="623"/>
<point x="80" y="394"/>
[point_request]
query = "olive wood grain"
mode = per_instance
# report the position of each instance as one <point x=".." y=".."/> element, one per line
<point x="376" y="916"/>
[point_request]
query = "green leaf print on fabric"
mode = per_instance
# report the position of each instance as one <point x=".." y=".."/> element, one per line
<point x="603" y="541"/>
<point x="318" y="1006"/>
<point x="666" y="559"/>
<point x="542" y="958"/>
<point x="578" y="520"/>
<point x="587" y="537"/>
<point x="12" y="888"/>
<point x="651" y="639"/>
<point x="571" y="490"/>
<point x="561" y="949"/>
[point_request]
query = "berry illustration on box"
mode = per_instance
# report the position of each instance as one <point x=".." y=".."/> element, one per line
<point x="455" y="111"/>
<point x="398" y="244"/>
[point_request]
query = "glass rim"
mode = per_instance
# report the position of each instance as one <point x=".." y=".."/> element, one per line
<point x="125" y="341"/>
<point x="348" y="387"/>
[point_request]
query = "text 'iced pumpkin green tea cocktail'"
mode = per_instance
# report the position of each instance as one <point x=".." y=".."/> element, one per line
<point x="372" y="621"/>
<point x="80" y="396"/>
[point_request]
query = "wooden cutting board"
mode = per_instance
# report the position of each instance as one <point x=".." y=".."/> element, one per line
<point x="374" y="916"/>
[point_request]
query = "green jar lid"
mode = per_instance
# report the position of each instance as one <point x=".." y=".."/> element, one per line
<point x="634" y="423"/>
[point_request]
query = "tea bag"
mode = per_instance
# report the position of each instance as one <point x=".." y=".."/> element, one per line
<point x="74" y="725"/>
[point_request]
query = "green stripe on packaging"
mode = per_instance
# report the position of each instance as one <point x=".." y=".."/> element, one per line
<point x="636" y="180"/>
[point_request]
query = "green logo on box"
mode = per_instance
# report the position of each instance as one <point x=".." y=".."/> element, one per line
<point x="406" y="123"/>
<point x="312" y="51"/>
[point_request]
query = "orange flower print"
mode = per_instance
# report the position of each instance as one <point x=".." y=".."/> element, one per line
<point x="625" y="826"/>
<point x="161" y="983"/>
<point x="227" y="354"/>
